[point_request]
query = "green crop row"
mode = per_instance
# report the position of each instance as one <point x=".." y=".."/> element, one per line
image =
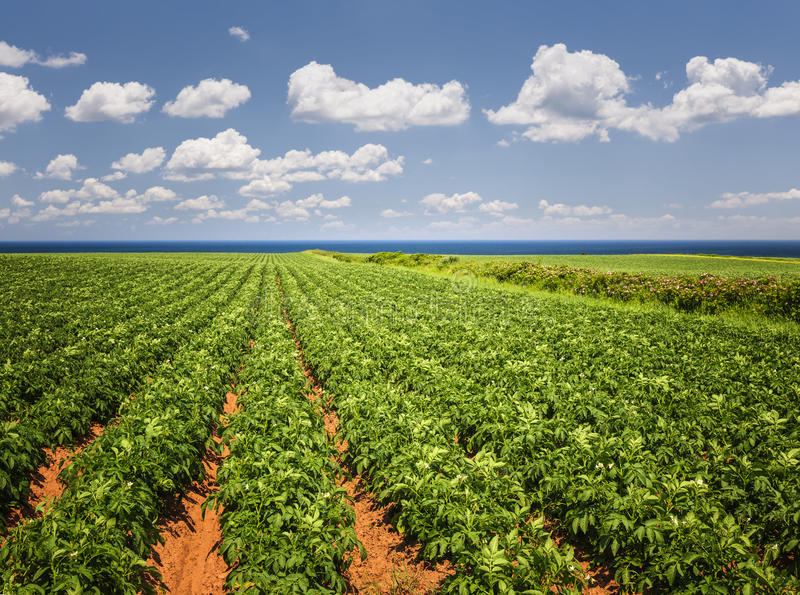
<point x="98" y="535"/>
<point x="103" y="324"/>
<point x="104" y="381"/>
<point x="288" y="527"/>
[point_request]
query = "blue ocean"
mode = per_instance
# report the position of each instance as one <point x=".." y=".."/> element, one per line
<point x="775" y="248"/>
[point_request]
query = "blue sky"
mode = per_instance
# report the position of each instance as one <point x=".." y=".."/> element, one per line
<point x="414" y="120"/>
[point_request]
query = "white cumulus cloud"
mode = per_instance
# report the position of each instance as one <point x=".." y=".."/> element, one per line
<point x="392" y="214"/>
<point x="209" y="99"/>
<point x="114" y="177"/>
<point x="317" y="94"/>
<point x="289" y="210"/>
<point x="497" y="208"/>
<point x="162" y="220"/>
<point x="19" y="102"/>
<point x="227" y="154"/>
<point x="18" y="201"/>
<point x="158" y="194"/>
<point x="7" y="168"/>
<point x="239" y="32"/>
<point x="731" y="200"/>
<point x="201" y="203"/>
<point x="562" y="210"/>
<point x="60" y="168"/>
<point x="441" y="203"/>
<point x="14" y="57"/>
<point x="139" y="163"/>
<point x="573" y="95"/>
<point x="112" y="101"/>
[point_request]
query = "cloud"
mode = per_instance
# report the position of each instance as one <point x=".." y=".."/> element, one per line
<point x="15" y="57"/>
<point x="461" y="223"/>
<point x="368" y="163"/>
<point x="264" y="187"/>
<point x="258" y="205"/>
<point x="158" y="194"/>
<point x="209" y="99"/>
<point x="61" y="61"/>
<point x="18" y="102"/>
<point x="731" y="200"/>
<point x="574" y="95"/>
<point x="392" y="214"/>
<point x="567" y="95"/>
<point x="427" y="161"/>
<point x="289" y="210"/>
<point x="497" y="208"/>
<point x="201" y="203"/>
<point x="336" y="225"/>
<point x="60" y="196"/>
<point x="503" y="143"/>
<point x="562" y="210"/>
<point x="227" y="154"/>
<point x="318" y="201"/>
<point x="112" y="101"/>
<point x="161" y="221"/>
<point x="60" y="168"/>
<point x="18" y="201"/>
<point x="93" y="189"/>
<point x="239" y="32"/>
<point x="509" y="220"/>
<point x="7" y="168"/>
<point x="139" y="163"/>
<point x="114" y="177"/>
<point x="317" y="94"/>
<point x="441" y="203"/>
<point x="117" y="205"/>
<point x="231" y="215"/>
<point x="21" y="211"/>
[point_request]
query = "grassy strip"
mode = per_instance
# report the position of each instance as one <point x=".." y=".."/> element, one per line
<point x="707" y="293"/>
<point x="98" y="535"/>
<point x="288" y="527"/>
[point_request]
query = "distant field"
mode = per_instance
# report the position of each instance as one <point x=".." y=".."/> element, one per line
<point x="660" y="264"/>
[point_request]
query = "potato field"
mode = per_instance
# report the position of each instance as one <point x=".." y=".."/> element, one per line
<point x="512" y="440"/>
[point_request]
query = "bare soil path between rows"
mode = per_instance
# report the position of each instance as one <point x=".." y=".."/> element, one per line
<point x="392" y="564"/>
<point x="189" y="560"/>
<point x="45" y="484"/>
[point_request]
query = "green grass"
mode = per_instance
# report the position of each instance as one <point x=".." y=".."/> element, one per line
<point x="657" y="264"/>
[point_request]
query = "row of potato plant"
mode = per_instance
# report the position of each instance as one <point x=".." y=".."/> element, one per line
<point x="103" y="383"/>
<point x="612" y="417"/>
<point x="471" y="510"/>
<point x="288" y="526"/>
<point x="99" y="324"/>
<point x="99" y="533"/>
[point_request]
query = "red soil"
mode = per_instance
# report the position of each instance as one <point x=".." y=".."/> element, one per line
<point x="189" y="560"/>
<point x="45" y="484"/>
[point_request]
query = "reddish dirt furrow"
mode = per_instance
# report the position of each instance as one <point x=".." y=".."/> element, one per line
<point x="392" y="564"/>
<point x="45" y="484"/>
<point x="189" y="560"/>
